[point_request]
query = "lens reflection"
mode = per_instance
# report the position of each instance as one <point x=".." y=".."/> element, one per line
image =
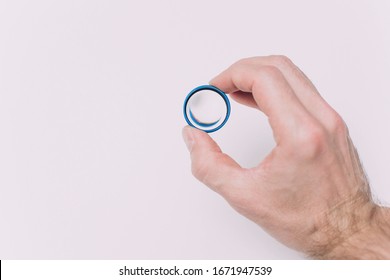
<point x="207" y="109"/>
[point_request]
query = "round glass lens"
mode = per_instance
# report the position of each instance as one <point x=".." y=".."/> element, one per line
<point x="207" y="108"/>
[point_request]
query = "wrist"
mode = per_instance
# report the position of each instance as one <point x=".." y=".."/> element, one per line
<point x="365" y="236"/>
<point x="371" y="242"/>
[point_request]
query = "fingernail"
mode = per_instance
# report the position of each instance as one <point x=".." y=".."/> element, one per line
<point x="188" y="137"/>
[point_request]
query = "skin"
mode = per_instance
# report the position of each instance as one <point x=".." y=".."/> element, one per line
<point x="310" y="192"/>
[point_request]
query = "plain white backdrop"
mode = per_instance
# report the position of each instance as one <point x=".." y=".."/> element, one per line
<point x="92" y="163"/>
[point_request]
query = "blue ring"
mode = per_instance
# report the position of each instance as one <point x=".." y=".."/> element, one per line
<point x="215" y="89"/>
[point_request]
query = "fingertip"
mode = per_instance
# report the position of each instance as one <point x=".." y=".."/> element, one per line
<point x="190" y="131"/>
<point x="223" y="83"/>
<point x="193" y="136"/>
<point x="211" y="82"/>
<point x="216" y="81"/>
<point x="186" y="129"/>
<point x="187" y="133"/>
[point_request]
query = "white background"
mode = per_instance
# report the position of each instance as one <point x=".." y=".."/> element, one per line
<point x="92" y="164"/>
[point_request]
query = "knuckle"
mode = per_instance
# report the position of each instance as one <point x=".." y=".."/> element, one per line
<point x="337" y="125"/>
<point x="261" y="73"/>
<point x="199" y="169"/>
<point x="312" y="141"/>
<point x="269" y="72"/>
<point x="280" y="60"/>
<point x="242" y="62"/>
<point x="239" y="72"/>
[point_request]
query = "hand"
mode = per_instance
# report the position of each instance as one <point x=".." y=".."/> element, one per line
<point x="310" y="192"/>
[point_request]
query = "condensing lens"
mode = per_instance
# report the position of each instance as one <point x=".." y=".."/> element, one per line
<point x="206" y="108"/>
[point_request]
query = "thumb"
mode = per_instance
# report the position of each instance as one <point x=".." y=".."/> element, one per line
<point x="209" y="165"/>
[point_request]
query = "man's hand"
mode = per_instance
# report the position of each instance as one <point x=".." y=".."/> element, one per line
<point x="310" y="192"/>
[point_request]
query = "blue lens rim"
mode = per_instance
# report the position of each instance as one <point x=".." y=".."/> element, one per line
<point x="215" y="89"/>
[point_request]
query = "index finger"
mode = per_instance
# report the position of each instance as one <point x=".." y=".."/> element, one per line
<point x="272" y="93"/>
